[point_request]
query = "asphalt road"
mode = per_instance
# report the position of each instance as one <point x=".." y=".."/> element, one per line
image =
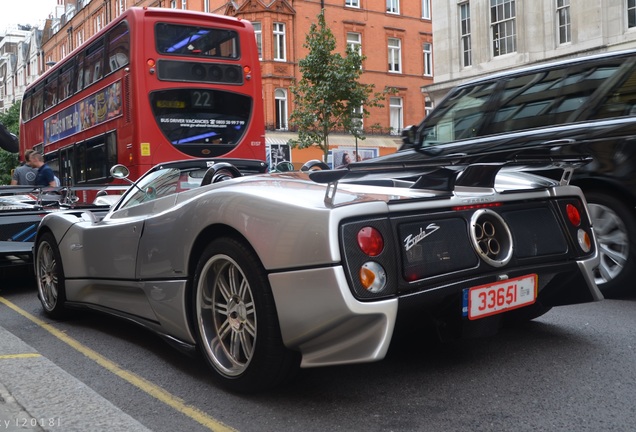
<point x="573" y="369"/>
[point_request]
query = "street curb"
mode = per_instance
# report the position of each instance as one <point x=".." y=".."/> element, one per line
<point x="37" y="395"/>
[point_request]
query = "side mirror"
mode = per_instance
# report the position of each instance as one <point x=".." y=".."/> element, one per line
<point x="119" y="171"/>
<point x="408" y="137"/>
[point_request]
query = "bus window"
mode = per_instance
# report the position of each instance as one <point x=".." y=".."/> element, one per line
<point x="93" y="64"/>
<point x="118" y="47"/>
<point x="196" y="41"/>
<point x="66" y="82"/>
<point x="80" y="71"/>
<point x="198" y="119"/>
<point x="50" y="92"/>
<point x="38" y="100"/>
<point x="26" y="106"/>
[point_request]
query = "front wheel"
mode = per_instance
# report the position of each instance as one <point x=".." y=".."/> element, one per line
<point x="615" y="229"/>
<point x="236" y="321"/>
<point x="50" y="276"/>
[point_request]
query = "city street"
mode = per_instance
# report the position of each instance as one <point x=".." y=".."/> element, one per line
<point x="572" y="369"/>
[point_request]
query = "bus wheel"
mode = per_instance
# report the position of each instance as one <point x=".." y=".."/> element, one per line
<point x="50" y="276"/>
<point x="235" y="319"/>
<point x="615" y="229"/>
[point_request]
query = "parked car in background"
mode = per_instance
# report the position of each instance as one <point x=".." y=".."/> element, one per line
<point x="582" y="106"/>
<point x="266" y="272"/>
<point x="23" y="207"/>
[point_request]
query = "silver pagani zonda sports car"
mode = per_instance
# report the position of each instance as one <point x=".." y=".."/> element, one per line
<point x="264" y="273"/>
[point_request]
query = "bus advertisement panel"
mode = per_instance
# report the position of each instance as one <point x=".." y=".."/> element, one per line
<point x="154" y="85"/>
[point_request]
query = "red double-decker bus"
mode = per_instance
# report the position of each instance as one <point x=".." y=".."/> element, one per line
<point x="154" y="85"/>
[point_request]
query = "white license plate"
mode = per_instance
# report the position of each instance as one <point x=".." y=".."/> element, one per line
<point x="502" y="296"/>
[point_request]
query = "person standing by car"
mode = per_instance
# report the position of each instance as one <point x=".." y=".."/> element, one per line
<point x="25" y="174"/>
<point x="45" y="176"/>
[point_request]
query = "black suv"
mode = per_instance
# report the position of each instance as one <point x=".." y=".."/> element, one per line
<point x="584" y="106"/>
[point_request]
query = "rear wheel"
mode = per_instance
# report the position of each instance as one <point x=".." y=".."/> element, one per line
<point x="236" y="320"/>
<point x="50" y="276"/>
<point x="615" y="229"/>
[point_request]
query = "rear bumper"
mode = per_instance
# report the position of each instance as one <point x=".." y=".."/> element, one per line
<point x="319" y="316"/>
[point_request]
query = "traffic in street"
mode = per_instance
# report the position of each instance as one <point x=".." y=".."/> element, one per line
<point x="572" y="369"/>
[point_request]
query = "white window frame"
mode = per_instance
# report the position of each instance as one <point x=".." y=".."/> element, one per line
<point x="258" y="34"/>
<point x="359" y="119"/>
<point x="396" y="105"/>
<point x="354" y="41"/>
<point x="121" y="6"/>
<point x="281" y="122"/>
<point x="427" y="54"/>
<point x="173" y="4"/>
<point x="395" y="55"/>
<point x="631" y="14"/>
<point x="503" y="27"/>
<point x="465" y="34"/>
<point x="564" y="22"/>
<point x="184" y="4"/>
<point x="352" y="3"/>
<point x="98" y="22"/>
<point x="426" y="9"/>
<point x="280" y="44"/>
<point x="393" y="6"/>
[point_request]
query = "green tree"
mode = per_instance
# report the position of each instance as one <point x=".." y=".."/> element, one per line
<point x="8" y="161"/>
<point x="329" y="93"/>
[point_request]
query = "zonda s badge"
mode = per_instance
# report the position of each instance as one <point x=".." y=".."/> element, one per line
<point x="411" y="240"/>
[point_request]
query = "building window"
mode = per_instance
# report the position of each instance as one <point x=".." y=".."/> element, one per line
<point x="354" y="41"/>
<point x="121" y="6"/>
<point x="397" y="117"/>
<point x="631" y="13"/>
<point x="393" y="6"/>
<point x="259" y="39"/>
<point x="80" y="37"/>
<point x="352" y="3"/>
<point x="395" y="55"/>
<point x="464" y="24"/>
<point x="173" y="4"/>
<point x="426" y="9"/>
<point x="504" y="26"/>
<point x="184" y="4"/>
<point x="206" y="6"/>
<point x="98" y="23"/>
<point x="280" y="95"/>
<point x="565" y="23"/>
<point x="279" y="42"/>
<point x="427" y="50"/>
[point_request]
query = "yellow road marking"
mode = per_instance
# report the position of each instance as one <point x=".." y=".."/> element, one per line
<point x="17" y="356"/>
<point x="134" y="379"/>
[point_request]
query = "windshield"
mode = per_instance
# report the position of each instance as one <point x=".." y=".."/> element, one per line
<point x="201" y="122"/>
<point x="161" y="183"/>
<point x="197" y="41"/>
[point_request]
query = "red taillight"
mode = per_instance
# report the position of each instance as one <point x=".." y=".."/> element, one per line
<point x="573" y="215"/>
<point x="150" y="63"/>
<point x="370" y="241"/>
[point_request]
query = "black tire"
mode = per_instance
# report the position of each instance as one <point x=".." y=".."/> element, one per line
<point x="49" y="275"/>
<point x="615" y="229"/>
<point x="235" y="320"/>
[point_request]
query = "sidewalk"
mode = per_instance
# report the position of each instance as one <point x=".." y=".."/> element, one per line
<point x="37" y="395"/>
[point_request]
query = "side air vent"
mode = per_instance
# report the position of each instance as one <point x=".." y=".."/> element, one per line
<point x="491" y="237"/>
<point x="168" y="70"/>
